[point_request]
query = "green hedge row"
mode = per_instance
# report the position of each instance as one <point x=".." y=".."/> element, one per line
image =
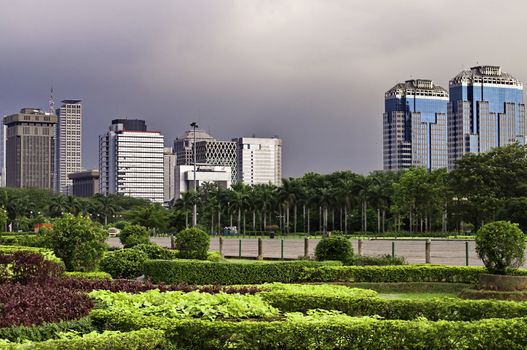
<point x="22" y="240"/>
<point x="450" y="309"/>
<point x="144" y="339"/>
<point x="94" y="275"/>
<point x="363" y="334"/>
<point x="206" y="272"/>
<point x="46" y="331"/>
<point x="403" y="273"/>
<point x="47" y="253"/>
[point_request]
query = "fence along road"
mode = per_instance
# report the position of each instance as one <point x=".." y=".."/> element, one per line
<point x="442" y="251"/>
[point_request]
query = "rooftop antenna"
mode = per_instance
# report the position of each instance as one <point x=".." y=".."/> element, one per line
<point x="51" y="102"/>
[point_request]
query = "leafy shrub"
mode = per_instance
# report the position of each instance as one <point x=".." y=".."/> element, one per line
<point x="22" y="240"/>
<point x="46" y="331"/>
<point x="29" y="304"/>
<point x="214" y="257"/>
<point x="403" y="273"/>
<point x="206" y="272"/>
<point x="501" y="246"/>
<point x="46" y="253"/>
<point x="382" y="260"/>
<point x="320" y="290"/>
<point x="192" y="243"/>
<point x="124" y="263"/>
<point x="334" y="248"/>
<point x="132" y="235"/>
<point x="179" y="305"/>
<point x="154" y="251"/>
<point x="78" y="241"/>
<point x="143" y="339"/>
<point x="341" y="332"/>
<point x="97" y="275"/>
<point x="27" y="267"/>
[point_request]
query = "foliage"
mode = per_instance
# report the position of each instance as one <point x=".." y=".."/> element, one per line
<point x="143" y="339"/>
<point x="153" y="216"/>
<point x="320" y="290"/>
<point x="193" y="243"/>
<point x="46" y="331"/>
<point x="334" y="248"/>
<point x="132" y="235"/>
<point x="96" y="275"/>
<point x="501" y="246"/>
<point x="77" y="241"/>
<point x="403" y="273"/>
<point x="341" y="332"/>
<point x="154" y="251"/>
<point x="179" y="305"/>
<point x="29" y="304"/>
<point x="46" y="253"/>
<point x="382" y="260"/>
<point x="124" y="263"/>
<point x="215" y="257"/>
<point x="25" y="267"/>
<point x="205" y="272"/>
<point x="22" y="240"/>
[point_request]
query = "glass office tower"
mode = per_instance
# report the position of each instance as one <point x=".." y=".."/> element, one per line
<point x="415" y="126"/>
<point x="486" y="110"/>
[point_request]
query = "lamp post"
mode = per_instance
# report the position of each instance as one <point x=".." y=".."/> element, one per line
<point x="194" y="125"/>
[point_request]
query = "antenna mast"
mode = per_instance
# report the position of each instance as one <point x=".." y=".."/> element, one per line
<point x="51" y="102"/>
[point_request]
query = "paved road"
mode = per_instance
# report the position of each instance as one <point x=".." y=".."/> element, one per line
<point x="451" y="252"/>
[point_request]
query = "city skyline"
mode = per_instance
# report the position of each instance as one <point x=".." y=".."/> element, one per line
<point x="301" y="70"/>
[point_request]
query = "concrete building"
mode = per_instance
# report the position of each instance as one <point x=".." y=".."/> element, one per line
<point x="85" y="183"/>
<point x="184" y="176"/>
<point x="259" y="160"/>
<point x="486" y="110"/>
<point x="68" y="155"/>
<point x="415" y="126"/>
<point x="209" y="151"/>
<point x="30" y="148"/>
<point x="3" y="134"/>
<point x="131" y="160"/>
<point x="169" y="168"/>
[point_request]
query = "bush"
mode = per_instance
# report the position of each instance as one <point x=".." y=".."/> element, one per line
<point x="192" y="243"/>
<point x="403" y="273"/>
<point x="154" y="251"/>
<point x="215" y="257"/>
<point x="132" y="235"/>
<point x="25" y="267"/>
<point x="22" y="240"/>
<point x="340" y="332"/>
<point x="97" y="275"/>
<point x="124" y="263"/>
<point x="334" y="248"/>
<point x="46" y="253"/>
<point x="382" y="260"/>
<point x="501" y="246"/>
<point x="205" y="272"/>
<point x="78" y="241"/>
<point x="46" y="331"/>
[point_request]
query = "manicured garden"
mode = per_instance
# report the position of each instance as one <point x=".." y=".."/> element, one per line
<point x="76" y="294"/>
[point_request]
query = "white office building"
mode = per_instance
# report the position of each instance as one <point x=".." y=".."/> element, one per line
<point x="259" y="160"/>
<point x="68" y="151"/>
<point x="184" y="175"/>
<point x="169" y="168"/>
<point x="131" y="160"/>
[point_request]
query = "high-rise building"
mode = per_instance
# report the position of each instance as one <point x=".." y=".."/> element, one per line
<point x="259" y="160"/>
<point x="3" y="134"/>
<point x="169" y="166"/>
<point x="30" y="148"/>
<point x="486" y="110"/>
<point x="131" y="160"/>
<point x="69" y="144"/>
<point x="415" y="126"/>
<point x="209" y="151"/>
<point x="85" y="183"/>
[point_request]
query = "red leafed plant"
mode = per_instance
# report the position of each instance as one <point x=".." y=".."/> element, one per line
<point x="25" y="267"/>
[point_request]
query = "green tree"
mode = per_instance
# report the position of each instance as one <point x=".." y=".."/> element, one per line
<point x="132" y="235"/>
<point x="78" y="241"/>
<point x="193" y="243"/>
<point x="153" y="216"/>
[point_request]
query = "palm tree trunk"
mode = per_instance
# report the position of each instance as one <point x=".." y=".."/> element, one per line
<point x="212" y="221"/>
<point x="325" y="228"/>
<point x="308" y="219"/>
<point x="340" y="220"/>
<point x="186" y="219"/>
<point x="383" y="220"/>
<point x="346" y="218"/>
<point x="219" y="221"/>
<point x="304" y="217"/>
<point x="239" y="228"/>
<point x="254" y="220"/>
<point x="244" y="222"/>
<point x="378" y="220"/>
<point x="332" y="219"/>
<point x="320" y="219"/>
<point x="295" y="218"/>
<point x="365" y="216"/>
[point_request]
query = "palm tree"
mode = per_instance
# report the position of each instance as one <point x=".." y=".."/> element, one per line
<point x="266" y="196"/>
<point x="72" y="205"/>
<point x="57" y="205"/>
<point x="186" y="202"/>
<point x="287" y="195"/>
<point x="107" y="207"/>
<point x="362" y="191"/>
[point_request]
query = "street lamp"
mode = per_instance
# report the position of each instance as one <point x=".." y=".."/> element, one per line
<point x="194" y="125"/>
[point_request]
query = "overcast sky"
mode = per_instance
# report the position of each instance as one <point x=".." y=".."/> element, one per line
<point x="313" y="72"/>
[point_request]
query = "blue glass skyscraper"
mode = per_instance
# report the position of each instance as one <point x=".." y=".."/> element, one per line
<point x="415" y="126"/>
<point x="486" y="110"/>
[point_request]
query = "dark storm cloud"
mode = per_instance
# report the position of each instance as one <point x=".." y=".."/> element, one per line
<point x="312" y="72"/>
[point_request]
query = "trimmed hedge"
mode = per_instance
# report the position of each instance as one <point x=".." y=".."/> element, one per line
<point x="383" y="260"/>
<point x="22" y="240"/>
<point x="144" y="339"/>
<point x="206" y="272"/>
<point x="46" y="331"/>
<point x="96" y="275"/>
<point x="343" y="333"/>
<point x="469" y="293"/>
<point x="47" y="253"/>
<point x="403" y="273"/>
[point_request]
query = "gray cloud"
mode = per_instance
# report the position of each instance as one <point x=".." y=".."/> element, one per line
<point x="311" y="71"/>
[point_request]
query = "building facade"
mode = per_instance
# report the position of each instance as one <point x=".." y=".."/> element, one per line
<point x="30" y="149"/>
<point x="85" y="183"/>
<point x="415" y="126"/>
<point x="69" y="144"/>
<point x="486" y="110"/>
<point x="184" y="177"/>
<point x="131" y="160"/>
<point x="169" y="168"/>
<point x="259" y="160"/>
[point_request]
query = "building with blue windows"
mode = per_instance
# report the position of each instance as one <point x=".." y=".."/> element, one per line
<point x="486" y="110"/>
<point x="415" y="126"/>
